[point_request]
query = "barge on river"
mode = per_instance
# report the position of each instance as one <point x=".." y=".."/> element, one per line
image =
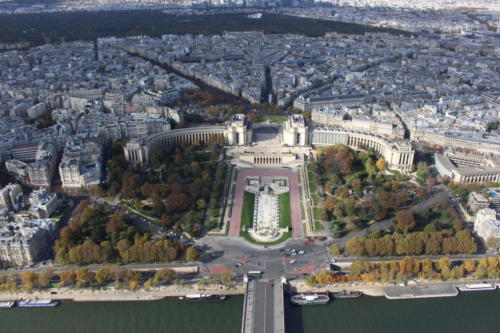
<point x="310" y="299"/>
<point x="203" y="297"/>
<point x="37" y="303"/>
<point x="485" y="286"/>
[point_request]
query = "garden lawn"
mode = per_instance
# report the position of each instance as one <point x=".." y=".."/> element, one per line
<point x="247" y="210"/>
<point x="285" y="215"/>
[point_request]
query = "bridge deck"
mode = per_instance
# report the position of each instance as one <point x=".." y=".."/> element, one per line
<point x="264" y="308"/>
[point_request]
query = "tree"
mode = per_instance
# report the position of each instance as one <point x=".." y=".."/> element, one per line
<point x="335" y="250"/>
<point x="385" y="199"/>
<point x="405" y="221"/>
<point x="165" y="275"/>
<point x="67" y="278"/>
<point x="380" y="164"/>
<point x="470" y="265"/>
<point x="166" y="221"/>
<point x="133" y="285"/>
<point x="192" y="254"/>
<point x="201" y="204"/>
<point x="369" y="167"/>
<point x="350" y="206"/>
<point x="102" y="276"/>
<point x="356" y="246"/>
<point x="45" y="277"/>
<point x="30" y="280"/>
<point x="422" y="172"/>
<point x="329" y="204"/>
<point x="338" y="212"/>
<point x="444" y="264"/>
<point x="311" y="281"/>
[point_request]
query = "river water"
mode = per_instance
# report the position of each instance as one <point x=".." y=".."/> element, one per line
<point x="477" y="312"/>
<point x="170" y="315"/>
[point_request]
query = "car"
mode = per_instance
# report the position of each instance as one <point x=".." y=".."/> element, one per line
<point x="293" y="262"/>
<point x="333" y="260"/>
<point x="301" y="252"/>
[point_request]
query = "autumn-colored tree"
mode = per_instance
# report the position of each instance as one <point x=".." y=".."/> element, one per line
<point x="192" y="254"/>
<point x="178" y="201"/>
<point x="45" y="277"/>
<point x="133" y="285"/>
<point x="335" y="250"/>
<point x="329" y="204"/>
<point x="30" y="280"/>
<point x="67" y="278"/>
<point x="115" y="223"/>
<point x="102" y="276"/>
<point x="356" y="246"/>
<point x="470" y="265"/>
<point x="380" y="164"/>
<point x="444" y="264"/>
<point x="165" y="275"/>
<point x="405" y="220"/>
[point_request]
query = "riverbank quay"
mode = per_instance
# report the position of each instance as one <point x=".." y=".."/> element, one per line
<point x="112" y="295"/>
<point x="422" y="289"/>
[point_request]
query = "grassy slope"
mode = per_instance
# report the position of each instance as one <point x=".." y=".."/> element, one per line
<point x="247" y="210"/>
<point x="285" y="214"/>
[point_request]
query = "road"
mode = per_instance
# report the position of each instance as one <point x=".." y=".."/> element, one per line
<point x="264" y="308"/>
<point x="241" y="257"/>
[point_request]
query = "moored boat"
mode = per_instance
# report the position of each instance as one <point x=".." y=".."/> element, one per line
<point x="37" y="303"/>
<point x="203" y="297"/>
<point x="6" y="305"/>
<point x="478" y="287"/>
<point x="347" y="294"/>
<point x="309" y="299"/>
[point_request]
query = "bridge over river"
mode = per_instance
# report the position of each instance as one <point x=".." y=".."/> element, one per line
<point x="264" y="308"/>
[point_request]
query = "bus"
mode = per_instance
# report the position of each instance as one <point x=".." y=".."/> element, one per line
<point x="254" y="273"/>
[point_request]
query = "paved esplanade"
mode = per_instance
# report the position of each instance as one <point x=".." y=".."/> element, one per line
<point x="264" y="310"/>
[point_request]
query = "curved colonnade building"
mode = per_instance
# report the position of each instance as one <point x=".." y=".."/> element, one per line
<point x="238" y="132"/>
<point x="397" y="155"/>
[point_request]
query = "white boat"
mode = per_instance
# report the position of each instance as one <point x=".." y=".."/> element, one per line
<point x="6" y="305"/>
<point x="478" y="287"/>
<point x="203" y="297"/>
<point x="37" y="303"/>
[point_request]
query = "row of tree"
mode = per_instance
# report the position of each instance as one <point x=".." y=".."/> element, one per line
<point x="416" y="243"/>
<point x="410" y="268"/>
<point x="425" y="269"/>
<point x="116" y="276"/>
<point x="85" y="278"/>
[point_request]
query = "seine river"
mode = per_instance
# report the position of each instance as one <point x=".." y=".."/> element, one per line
<point x="473" y="312"/>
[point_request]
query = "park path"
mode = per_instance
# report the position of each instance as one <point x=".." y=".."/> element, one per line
<point x="235" y="225"/>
